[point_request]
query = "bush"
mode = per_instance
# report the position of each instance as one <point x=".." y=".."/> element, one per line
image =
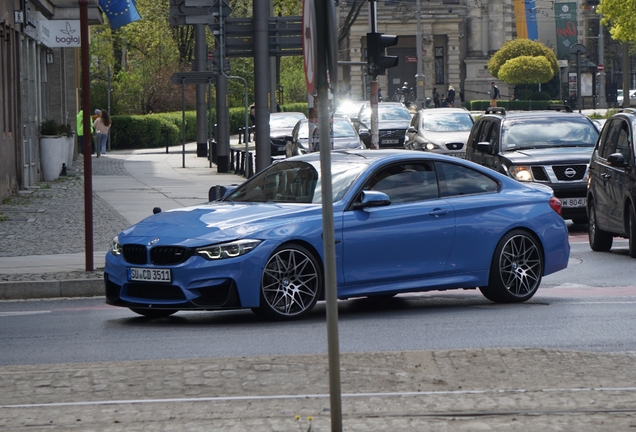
<point x="53" y="128"/>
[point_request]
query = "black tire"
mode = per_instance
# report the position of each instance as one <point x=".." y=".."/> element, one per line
<point x="632" y="232"/>
<point x="154" y="313"/>
<point x="516" y="269"/>
<point x="600" y="241"/>
<point x="291" y="284"/>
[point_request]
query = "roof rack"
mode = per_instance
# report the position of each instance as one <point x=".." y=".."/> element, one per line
<point x="496" y="110"/>
<point x="628" y="110"/>
<point x="560" y="107"/>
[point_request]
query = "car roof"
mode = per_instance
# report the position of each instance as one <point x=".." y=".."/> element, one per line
<point x="534" y="114"/>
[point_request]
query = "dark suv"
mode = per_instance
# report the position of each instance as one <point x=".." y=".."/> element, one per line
<point x="551" y="147"/>
<point x="611" y="187"/>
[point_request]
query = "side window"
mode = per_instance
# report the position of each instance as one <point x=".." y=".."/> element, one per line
<point x="473" y="139"/>
<point x="623" y="143"/>
<point x="484" y="135"/>
<point x="406" y="182"/>
<point x="456" y="180"/>
<point x="493" y="139"/>
<point x="415" y="120"/>
<point x="611" y="138"/>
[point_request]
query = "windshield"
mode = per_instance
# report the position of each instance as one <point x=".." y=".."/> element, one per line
<point x="548" y="132"/>
<point x="452" y="122"/>
<point x="296" y="182"/>
<point x="386" y="112"/>
<point x="349" y="108"/>
<point x="285" y="121"/>
<point x="341" y="128"/>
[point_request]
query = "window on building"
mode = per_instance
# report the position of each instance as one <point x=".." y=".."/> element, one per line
<point x="439" y="65"/>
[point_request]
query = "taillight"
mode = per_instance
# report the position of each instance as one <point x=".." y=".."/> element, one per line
<point x="555" y="204"/>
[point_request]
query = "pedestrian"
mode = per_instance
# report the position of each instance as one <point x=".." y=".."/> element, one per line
<point x="79" y="126"/>
<point x="253" y="114"/>
<point x="450" y="96"/>
<point x="96" y="115"/>
<point x="436" y="99"/>
<point x="102" y="126"/>
<point x="494" y="94"/>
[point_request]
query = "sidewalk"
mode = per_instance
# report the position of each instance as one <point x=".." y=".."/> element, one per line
<point x="42" y="256"/>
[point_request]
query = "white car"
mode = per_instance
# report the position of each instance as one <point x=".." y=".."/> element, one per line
<point x="619" y="97"/>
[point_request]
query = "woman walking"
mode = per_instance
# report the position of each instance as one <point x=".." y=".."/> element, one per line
<point x="450" y="96"/>
<point x="102" y="126"/>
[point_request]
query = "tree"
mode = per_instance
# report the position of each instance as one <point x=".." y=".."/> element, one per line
<point x="619" y="17"/>
<point x="526" y="70"/>
<point x="523" y="48"/>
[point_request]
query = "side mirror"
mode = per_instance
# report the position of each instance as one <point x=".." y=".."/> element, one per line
<point x="289" y="138"/>
<point x="483" y="147"/>
<point x="411" y="129"/>
<point x="372" y="199"/>
<point x="364" y="133"/>
<point x="216" y="192"/>
<point x="616" y="160"/>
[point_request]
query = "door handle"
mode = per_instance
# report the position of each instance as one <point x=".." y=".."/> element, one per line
<point x="438" y="212"/>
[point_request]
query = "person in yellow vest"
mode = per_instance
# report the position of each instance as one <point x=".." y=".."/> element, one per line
<point x="80" y="131"/>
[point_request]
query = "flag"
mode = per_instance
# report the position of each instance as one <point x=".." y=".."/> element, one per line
<point x="119" y="12"/>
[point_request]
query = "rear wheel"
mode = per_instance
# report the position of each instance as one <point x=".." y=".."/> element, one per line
<point x="291" y="283"/>
<point x="632" y="232"/>
<point x="600" y="241"/>
<point x="154" y="313"/>
<point x="516" y="269"/>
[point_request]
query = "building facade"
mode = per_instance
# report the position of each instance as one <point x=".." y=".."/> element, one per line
<point x="39" y="80"/>
<point x="458" y="38"/>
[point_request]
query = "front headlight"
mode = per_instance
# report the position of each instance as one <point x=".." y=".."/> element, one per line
<point x="521" y="173"/>
<point x="430" y="146"/>
<point x="115" y="246"/>
<point x="228" y="250"/>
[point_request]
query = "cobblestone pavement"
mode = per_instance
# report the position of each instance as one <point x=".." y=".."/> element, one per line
<point x="459" y="390"/>
<point x="49" y="219"/>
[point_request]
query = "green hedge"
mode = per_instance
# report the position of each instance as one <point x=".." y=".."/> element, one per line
<point x="154" y="130"/>
<point x="516" y="105"/>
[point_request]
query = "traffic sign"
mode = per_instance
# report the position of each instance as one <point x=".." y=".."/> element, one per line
<point x="310" y="45"/>
<point x="600" y="68"/>
<point x="196" y="77"/>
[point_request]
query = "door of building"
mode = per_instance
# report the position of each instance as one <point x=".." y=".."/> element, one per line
<point x="405" y="71"/>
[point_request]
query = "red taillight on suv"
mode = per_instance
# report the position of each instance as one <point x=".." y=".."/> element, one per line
<point x="555" y="203"/>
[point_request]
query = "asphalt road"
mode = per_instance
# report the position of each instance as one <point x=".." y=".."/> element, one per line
<point x="587" y="307"/>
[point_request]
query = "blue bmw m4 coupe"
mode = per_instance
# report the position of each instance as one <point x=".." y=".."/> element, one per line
<point x="403" y="222"/>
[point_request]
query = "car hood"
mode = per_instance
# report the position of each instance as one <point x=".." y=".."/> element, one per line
<point x="551" y="155"/>
<point x="446" y="137"/>
<point x="216" y="222"/>
<point x="280" y="133"/>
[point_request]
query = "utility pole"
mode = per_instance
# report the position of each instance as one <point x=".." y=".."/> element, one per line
<point x="201" y="50"/>
<point x="602" y="100"/>
<point x="419" y="76"/>
<point x="378" y="62"/>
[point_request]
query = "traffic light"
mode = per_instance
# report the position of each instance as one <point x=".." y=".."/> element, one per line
<point x="376" y="46"/>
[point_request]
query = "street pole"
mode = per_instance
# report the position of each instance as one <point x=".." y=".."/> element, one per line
<point x="602" y="100"/>
<point x="375" y="132"/>
<point x="86" y="123"/>
<point x="419" y="77"/>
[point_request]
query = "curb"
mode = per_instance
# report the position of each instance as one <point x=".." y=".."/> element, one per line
<point x="51" y="289"/>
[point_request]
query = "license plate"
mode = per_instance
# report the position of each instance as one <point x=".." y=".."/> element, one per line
<point x="390" y="141"/>
<point x="573" y="202"/>
<point x="149" y="275"/>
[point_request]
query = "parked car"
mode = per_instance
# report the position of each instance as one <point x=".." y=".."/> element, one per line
<point x="611" y="190"/>
<point x="443" y="131"/>
<point x="393" y="121"/>
<point x="620" y="97"/>
<point x="281" y="125"/>
<point x="551" y="147"/>
<point x="348" y="108"/>
<point x="344" y="136"/>
<point x="403" y="221"/>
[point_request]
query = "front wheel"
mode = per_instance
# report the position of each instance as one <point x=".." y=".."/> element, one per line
<point x="600" y="241"/>
<point x="291" y="283"/>
<point x="632" y="232"/>
<point x="516" y="269"/>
